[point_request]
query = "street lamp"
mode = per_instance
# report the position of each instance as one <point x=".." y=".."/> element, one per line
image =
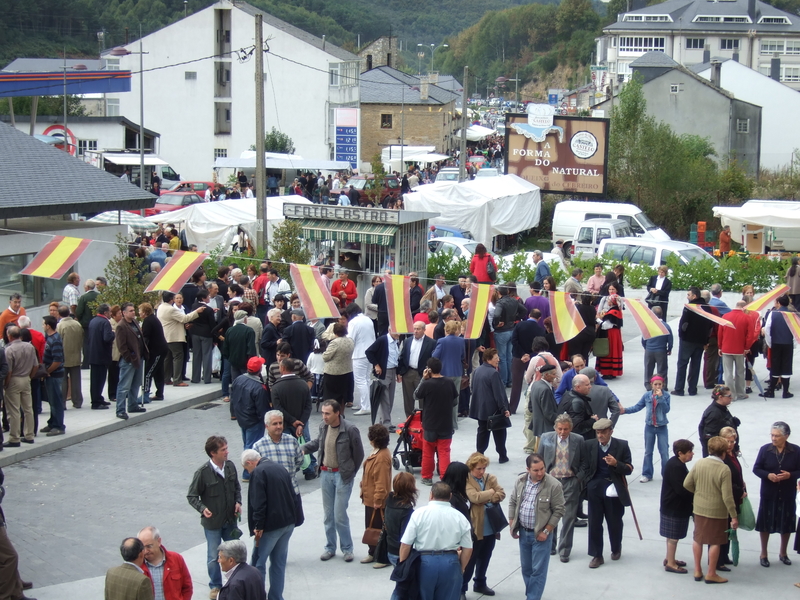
<point x="74" y="68"/>
<point x="433" y="48"/>
<point x="122" y="51"/>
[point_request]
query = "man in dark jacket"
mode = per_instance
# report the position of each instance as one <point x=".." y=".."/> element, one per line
<point x="693" y="332"/>
<point x="83" y="314"/>
<point x="202" y="338"/>
<point x="505" y="314"/>
<point x="153" y="333"/>
<point x="384" y="356"/>
<point x="238" y="347"/>
<point x="439" y="395"/>
<point x="299" y="336"/>
<point x="577" y="403"/>
<point x="488" y="399"/>
<point x="271" y="336"/>
<point x="244" y="581"/>
<point x="271" y="517"/>
<point x="133" y="353"/>
<point x="379" y="299"/>
<point x="250" y="401"/>
<point x="291" y="396"/>
<point x="215" y="492"/>
<point x="521" y="343"/>
<point x="542" y="404"/>
<point x="413" y="359"/>
<point x="101" y="339"/>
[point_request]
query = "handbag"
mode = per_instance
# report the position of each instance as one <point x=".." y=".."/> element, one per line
<point x="382" y="549"/>
<point x="497" y="519"/>
<point x="491" y="270"/>
<point x="306" y="457"/>
<point x="747" y="519"/>
<point x="497" y="422"/>
<point x="371" y="534"/>
<point x="600" y="347"/>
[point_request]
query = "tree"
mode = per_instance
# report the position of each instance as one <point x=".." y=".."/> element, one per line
<point x="123" y="273"/>
<point x="374" y="188"/>
<point x="47" y="106"/>
<point x="276" y="141"/>
<point x="288" y="246"/>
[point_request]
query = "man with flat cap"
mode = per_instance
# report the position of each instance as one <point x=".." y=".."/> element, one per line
<point x="607" y="489"/>
<point x="542" y="404"/>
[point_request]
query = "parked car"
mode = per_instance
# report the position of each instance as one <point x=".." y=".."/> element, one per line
<point x="441" y="231"/>
<point x="449" y="174"/>
<point x="641" y="251"/>
<point x="458" y="247"/>
<point x="591" y="232"/>
<point x="365" y="183"/>
<point x="169" y="201"/>
<point x="198" y="187"/>
<point x="487" y="172"/>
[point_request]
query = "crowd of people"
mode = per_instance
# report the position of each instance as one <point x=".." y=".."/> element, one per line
<point x="275" y="364"/>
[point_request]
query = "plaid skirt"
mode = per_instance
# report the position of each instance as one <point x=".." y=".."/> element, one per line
<point x="673" y="528"/>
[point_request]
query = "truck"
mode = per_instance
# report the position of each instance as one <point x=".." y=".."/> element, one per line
<point x="117" y="162"/>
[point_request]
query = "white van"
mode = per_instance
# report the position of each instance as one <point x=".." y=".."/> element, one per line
<point x="641" y="251"/>
<point x="570" y="213"/>
<point x="589" y="234"/>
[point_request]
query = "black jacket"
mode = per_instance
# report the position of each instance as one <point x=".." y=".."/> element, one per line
<point x="505" y="312"/>
<point x="270" y="497"/>
<point x="250" y="400"/>
<point x="676" y="500"/>
<point x="579" y="408"/>
<point x="205" y="322"/>
<point x="220" y="496"/>
<point x="301" y="338"/>
<point x="245" y="584"/>
<point x="693" y="328"/>
<point x="395" y="519"/>
<point x="153" y="334"/>
<point x="269" y="342"/>
<point x="100" y="340"/>
<point x="379" y="298"/>
<point x="428" y="346"/>
<point x="291" y="396"/>
<point x="522" y="337"/>
<point x="415" y="297"/>
<point x="378" y="354"/>
<point x="620" y="450"/>
<point x="238" y="346"/>
<point x="438" y="396"/>
<point x="714" y="418"/>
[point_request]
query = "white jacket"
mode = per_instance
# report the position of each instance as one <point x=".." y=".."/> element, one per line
<point x="173" y="321"/>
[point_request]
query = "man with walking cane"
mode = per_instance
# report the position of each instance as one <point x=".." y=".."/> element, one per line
<point x="607" y="490"/>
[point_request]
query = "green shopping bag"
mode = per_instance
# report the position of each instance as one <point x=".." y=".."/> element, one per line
<point x="306" y="457"/>
<point x="747" y="519"/>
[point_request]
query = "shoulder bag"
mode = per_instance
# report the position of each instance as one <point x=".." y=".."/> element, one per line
<point x="371" y="534"/>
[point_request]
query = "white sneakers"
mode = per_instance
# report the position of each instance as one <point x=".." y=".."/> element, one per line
<point x="644" y="480"/>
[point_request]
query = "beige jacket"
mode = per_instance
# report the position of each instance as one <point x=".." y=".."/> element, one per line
<point x="173" y="321"/>
<point x="71" y="334"/>
<point x="338" y="356"/>
<point x="478" y="499"/>
<point x="114" y="352"/>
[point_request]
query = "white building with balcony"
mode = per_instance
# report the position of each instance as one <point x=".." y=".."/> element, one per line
<point x="690" y="31"/>
<point x="199" y="86"/>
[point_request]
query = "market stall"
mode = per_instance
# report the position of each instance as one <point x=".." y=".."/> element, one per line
<point x="763" y="224"/>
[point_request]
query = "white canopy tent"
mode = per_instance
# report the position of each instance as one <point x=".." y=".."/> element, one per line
<point x="390" y="156"/>
<point x="486" y="207"/>
<point x="213" y="224"/>
<point x="757" y="223"/>
<point x="476" y="133"/>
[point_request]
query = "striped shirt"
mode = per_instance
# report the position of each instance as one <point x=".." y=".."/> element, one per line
<point x="527" y="506"/>
<point x="157" y="577"/>
<point x="54" y="352"/>
<point x="286" y="453"/>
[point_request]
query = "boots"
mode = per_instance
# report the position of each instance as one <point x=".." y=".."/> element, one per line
<point x="770" y="391"/>
<point x="786" y="393"/>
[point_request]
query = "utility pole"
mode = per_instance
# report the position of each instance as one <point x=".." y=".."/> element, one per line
<point x="261" y="209"/>
<point x="462" y="156"/>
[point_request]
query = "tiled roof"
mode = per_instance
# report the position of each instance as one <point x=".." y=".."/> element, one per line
<point x="42" y="180"/>
<point x="384" y="85"/>
<point x="654" y="59"/>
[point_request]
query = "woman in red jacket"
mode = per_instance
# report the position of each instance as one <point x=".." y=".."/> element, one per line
<point x="480" y="264"/>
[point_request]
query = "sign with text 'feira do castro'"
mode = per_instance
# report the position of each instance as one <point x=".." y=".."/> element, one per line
<point x="562" y="155"/>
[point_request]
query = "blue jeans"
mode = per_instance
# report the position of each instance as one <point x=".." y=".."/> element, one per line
<point x="214" y="537"/>
<point x="130" y="382"/>
<point x="52" y="387"/>
<point x="226" y="377"/>
<point x="651" y="436"/>
<point x="502" y="339"/>
<point x="534" y="557"/>
<point x="335" y="497"/>
<point x="249" y="437"/>
<point x="275" y="546"/>
<point x="439" y="577"/>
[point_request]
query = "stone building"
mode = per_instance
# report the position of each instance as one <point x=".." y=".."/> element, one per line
<point x="379" y="53"/>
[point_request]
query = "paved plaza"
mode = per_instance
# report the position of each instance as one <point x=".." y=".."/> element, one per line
<point x="69" y="507"/>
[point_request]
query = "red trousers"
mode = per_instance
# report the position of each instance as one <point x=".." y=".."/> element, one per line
<point x="442" y="449"/>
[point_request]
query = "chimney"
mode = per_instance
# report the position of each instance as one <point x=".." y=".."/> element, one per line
<point x="751" y="10"/>
<point x="735" y="57"/>
<point x="775" y="68"/>
<point x="706" y="56"/>
<point x="716" y="70"/>
<point x="323" y="42"/>
<point x="423" y="88"/>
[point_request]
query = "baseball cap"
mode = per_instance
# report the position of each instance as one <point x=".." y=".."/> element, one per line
<point x="254" y="365"/>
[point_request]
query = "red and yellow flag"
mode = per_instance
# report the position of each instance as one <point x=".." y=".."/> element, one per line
<point x="567" y="322"/>
<point x="479" y="297"/>
<point x="695" y="308"/>
<point x="177" y="271"/>
<point x="647" y="321"/>
<point x="314" y="296"/>
<point x="398" y="299"/>
<point x="768" y="299"/>
<point x="793" y="321"/>
<point x="57" y="256"/>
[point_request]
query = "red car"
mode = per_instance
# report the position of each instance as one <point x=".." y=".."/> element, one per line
<point x="169" y="201"/>
<point x="198" y="187"/>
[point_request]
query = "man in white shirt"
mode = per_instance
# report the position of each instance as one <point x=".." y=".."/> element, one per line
<point x="436" y="531"/>
<point x="361" y="330"/>
<point x="438" y="285"/>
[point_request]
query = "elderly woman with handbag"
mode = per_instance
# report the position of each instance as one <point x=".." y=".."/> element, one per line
<point x="485" y="495"/>
<point x="376" y="483"/>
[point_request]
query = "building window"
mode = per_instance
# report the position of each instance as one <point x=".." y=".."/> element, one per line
<point x="675" y="88"/>
<point x="771" y="46"/>
<point x="112" y="64"/>
<point x="84" y="145"/>
<point x="775" y="21"/>
<point x="386" y="121"/>
<point x="742" y="125"/>
<point x="334" y="76"/>
<point x="792" y="46"/>
<point x="190" y="75"/>
<point x="790" y="74"/>
<point x="112" y="107"/>
<point x="624" y="68"/>
<point x="729" y="44"/>
<point x="220" y="153"/>
<point x="613" y="41"/>
<point x="641" y="44"/>
<point x="695" y="43"/>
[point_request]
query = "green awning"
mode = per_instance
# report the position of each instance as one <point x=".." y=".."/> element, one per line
<point x="343" y="231"/>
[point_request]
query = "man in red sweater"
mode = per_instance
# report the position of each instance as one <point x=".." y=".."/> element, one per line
<point x="734" y="342"/>
<point x="161" y="566"/>
<point x="258" y="284"/>
<point x="344" y="289"/>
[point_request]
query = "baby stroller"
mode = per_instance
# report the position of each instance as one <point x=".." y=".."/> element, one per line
<point x="410" y="436"/>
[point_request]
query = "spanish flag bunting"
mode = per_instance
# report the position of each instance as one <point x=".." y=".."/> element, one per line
<point x="647" y="321"/>
<point x="177" y="271"/>
<point x="793" y="321"/>
<point x="768" y="299"/>
<point x="314" y="296"/>
<point x="567" y="322"/>
<point x="398" y="299"/>
<point x="57" y="256"/>
<point x="695" y="308"/>
<point x="479" y="297"/>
